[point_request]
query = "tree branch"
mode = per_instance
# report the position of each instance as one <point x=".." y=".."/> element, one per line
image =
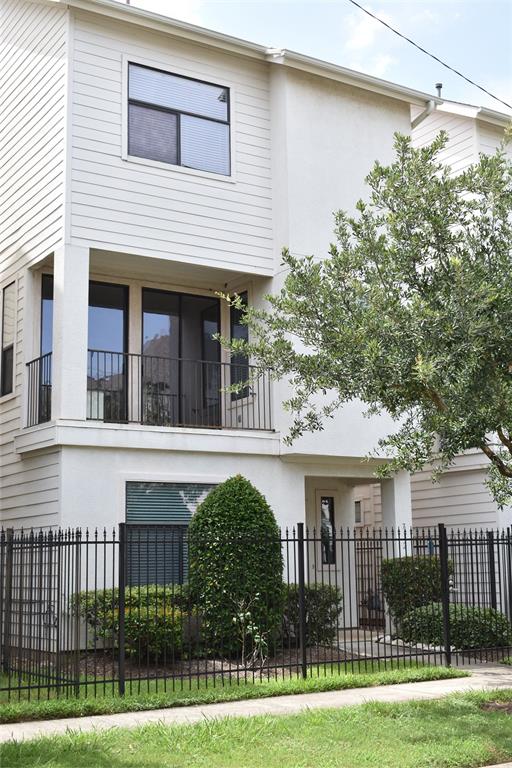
<point x="498" y="462"/>
<point x="507" y="442"/>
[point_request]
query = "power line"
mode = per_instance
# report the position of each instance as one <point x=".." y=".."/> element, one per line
<point x="443" y="63"/>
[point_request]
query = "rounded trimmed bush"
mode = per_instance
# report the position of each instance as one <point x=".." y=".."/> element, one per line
<point x="470" y="627"/>
<point x="236" y="567"/>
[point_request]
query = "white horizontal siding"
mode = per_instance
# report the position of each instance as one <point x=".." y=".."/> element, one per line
<point x="461" y="151"/>
<point x="459" y="500"/>
<point x="132" y="207"/>
<point x="490" y="138"/>
<point x="32" y="120"/>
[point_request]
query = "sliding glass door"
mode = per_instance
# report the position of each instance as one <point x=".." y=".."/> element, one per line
<point x="107" y="379"/>
<point x="180" y="360"/>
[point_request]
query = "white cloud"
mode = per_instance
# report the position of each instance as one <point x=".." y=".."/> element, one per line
<point x="363" y="31"/>
<point x="378" y="65"/>
<point x="184" y="10"/>
<point x="381" y="64"/>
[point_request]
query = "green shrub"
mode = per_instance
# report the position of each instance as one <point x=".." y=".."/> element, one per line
<point x="408" y="582"/>
<point x="236" y="567"/>
<point x="100" y="609"/>
<point x="152" y="632"/>
<point x="470" y="627"/>
<point x="323" y="608"/>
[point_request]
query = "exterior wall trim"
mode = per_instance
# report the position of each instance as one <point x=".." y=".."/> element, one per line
<point x="134" y="436"/>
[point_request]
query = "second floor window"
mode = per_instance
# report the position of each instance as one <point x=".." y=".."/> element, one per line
<point x="178" y="120"/>
<point x="8" y="322"/>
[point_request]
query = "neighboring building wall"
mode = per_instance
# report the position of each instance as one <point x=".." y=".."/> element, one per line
<point x="490" y="138"/>
<point x="459" y="500"/>
<point x="168" y="212"/>
<point x="33" y="41"/>
<point x="461" y="150"/>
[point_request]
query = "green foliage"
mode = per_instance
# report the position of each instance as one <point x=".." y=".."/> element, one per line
<point x="411" y="312"/>
<point x="154" y="633"/>
<point x="323" y="609"/>
<point x="470" y="627"/>
<point x="235" y="560"/>
<point x="152" y="612"/>
<point x="408" y="582"/>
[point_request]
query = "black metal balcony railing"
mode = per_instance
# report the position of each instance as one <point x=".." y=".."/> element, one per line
<point x="161" y="391"/>
<point x="39" y="373"/>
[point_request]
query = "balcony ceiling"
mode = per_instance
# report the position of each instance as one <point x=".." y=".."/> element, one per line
<point x="128" y="266"/>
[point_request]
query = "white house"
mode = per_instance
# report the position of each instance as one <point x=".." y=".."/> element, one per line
<point x="148" y="164"/>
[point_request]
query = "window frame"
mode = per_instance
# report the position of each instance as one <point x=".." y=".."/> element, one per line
<point x="176" y="72"/>
<point x="360" y="523"/>
<point x="10" y="347"/>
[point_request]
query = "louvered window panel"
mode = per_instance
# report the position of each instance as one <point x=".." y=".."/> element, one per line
<point x="157" y="517"/>
<point x="178" y="120"/>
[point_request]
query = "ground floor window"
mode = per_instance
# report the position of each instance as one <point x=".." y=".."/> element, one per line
<point x="157" y="517"/>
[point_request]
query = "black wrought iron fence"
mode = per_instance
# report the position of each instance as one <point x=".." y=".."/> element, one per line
<point x="113" y="612"/>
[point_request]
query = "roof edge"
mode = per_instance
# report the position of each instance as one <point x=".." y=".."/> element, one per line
<point x="204" y="36"/>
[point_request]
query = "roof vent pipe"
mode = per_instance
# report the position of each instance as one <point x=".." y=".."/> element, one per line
<point x="439" y="88"/>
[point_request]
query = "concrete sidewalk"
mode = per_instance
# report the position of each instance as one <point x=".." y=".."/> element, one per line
<point x="482" y="678"/>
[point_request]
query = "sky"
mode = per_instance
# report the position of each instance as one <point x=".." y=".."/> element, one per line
<point x="473" y="36"/>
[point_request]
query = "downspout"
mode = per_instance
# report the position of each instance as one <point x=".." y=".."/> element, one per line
<point x="431" y="105"/>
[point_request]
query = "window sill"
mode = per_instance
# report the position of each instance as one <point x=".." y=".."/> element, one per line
<point x="179" y="169"/>
<point x="6" y="398"/>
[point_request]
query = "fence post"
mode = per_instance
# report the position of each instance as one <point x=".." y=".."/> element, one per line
<point x="122" y="587"/>
<point x="302" y="599"/>
<point x="509" y="572"/>
<point x="9" y="550"/>
<point x="492" y="569"/>
<point x="445" y="592"/>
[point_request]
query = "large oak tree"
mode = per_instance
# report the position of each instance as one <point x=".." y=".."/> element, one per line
<point x="411" y="312"/>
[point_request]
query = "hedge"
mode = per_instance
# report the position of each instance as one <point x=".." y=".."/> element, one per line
<point x="155" y="603"/>
<point x="323" y="604"/>
<point x="408" y="582"/>
<point x="470" y="627"/>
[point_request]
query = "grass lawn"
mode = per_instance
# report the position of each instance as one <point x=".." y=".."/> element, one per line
<point x="320" y="680"/>
<point x="454" y="732"/>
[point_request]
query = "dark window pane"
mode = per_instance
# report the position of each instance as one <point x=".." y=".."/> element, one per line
<point x="8" y="315"/>
<point x="179" y="93"/>
<point x="7" y="371"/>
<point x="152" y="134"/>
<point x="239" y="362"/>
<point x="7" y="345"/>
<point x="204" y="145"/>
<point x="327" y="530"/>
<point x="107" y="317"/>
<point x="46" y="314"/>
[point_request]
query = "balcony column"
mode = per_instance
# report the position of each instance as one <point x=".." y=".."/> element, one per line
<point x="396" y="502"/>
<point x="70" y="328"/>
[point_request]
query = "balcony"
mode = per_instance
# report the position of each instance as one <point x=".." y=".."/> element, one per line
<point x="126" y="388"/>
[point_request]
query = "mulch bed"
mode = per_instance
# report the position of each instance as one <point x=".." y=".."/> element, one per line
<point x="104" y="665"/>
<point x="498" y="706"/>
